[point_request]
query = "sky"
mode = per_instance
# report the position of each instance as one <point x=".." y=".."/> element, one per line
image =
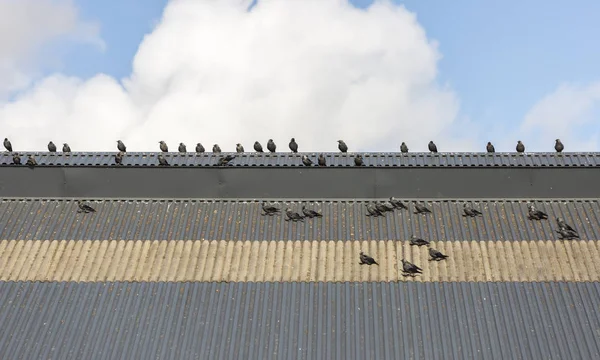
<point x="374" y="73"/>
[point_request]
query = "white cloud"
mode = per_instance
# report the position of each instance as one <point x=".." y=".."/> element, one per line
<point x="569" y="113"/>
<point x="316" y="70"/>
<point x="26" y="26"/>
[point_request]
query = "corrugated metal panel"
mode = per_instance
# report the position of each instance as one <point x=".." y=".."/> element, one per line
<point x="333" y="159"/>
<point x="57" y="219"/>
<point x="300" y="320"/>
<point x="306" y="261"/>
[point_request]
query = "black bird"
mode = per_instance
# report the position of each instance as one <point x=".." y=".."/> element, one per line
<point x="163" y="146"/>
<point x="271" y="146"/>
<point x="119" y="158"/>
<point x="51" y="147"/>
<point x="367" y="260"/>
<point x="200" y="148"/>
<point x="563" y="225"/>
<point x="182" y="148"/>
<point x="432" y="147"/>
<point x="225" y="160"/>
<point x="469" y="211"/>
<point x="567" y="234"/>
<point x="269" y="209"/>
<point x="85" y="208"/>
<point x="66" y="148"/>
<point x="293" y="145"/>
<point x="16" y="159"/>
<point x="322" y="161"/>
<point x="162" y="161"/>
<point x="559" y="147"/>
<point x="258" y="147"/>
<point x="388" y="205"/>
<point x="292" y="215"/>
<point x="381" y="207"/>
<point x="31" y="161"/>
<point x="410" y="269"/>
<point x="216" y="148"/>
<point x="490" y="148"/>
<point x="239" y="148"/>
<point x="7" y="145"/>
<point x="418" y="241"/>
<point x="342" y="146"/>
<point x="403" y="147"/>
<point x="436" y="255"/>
<point x="421" y="209"/>
<point x="309" y="213"/>
<point x="306" y="161"/>
<point x="397" y="203"/>
<point x="535" y="214"/>
<point x="121" y="147"/>
<point x="358" y="160"/>
<point x="373" y="211"/>
<point x="520" y="147"/>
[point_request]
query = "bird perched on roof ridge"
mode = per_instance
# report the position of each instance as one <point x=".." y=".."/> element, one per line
<point x="162" y="161"/>
<point x="271" y="146"/>
<point x="16" y="159"/>
<point x="66" y="148"/>
<point x="418" y="241"/>
<point x="432" y="147"/>
<point x="366" y="260"/>
<point x="258" y="147"/>
<point x="293" y="216"/>
<point x="403" y="147"/>
<point x="182" y="148"/>
<point x="306" y="161"/>
<point x="270" y="209"/>
<point x="51" y="147"/>
<point x="8" y="145"/>
<point x="490" y="148"/>
<point x="469" y="211"/>
<point x="421" y="209"/>
<point x="358" y="160"/>
<point x="342" y="146"/>
<point x="309" y="213"/>
<point x="381" y="207"/>
<point x="121" y="146"/>
<point x="410" y="269"/>
<point x="85" y="208"/>
<point x="119" y="158"/>
<point x="163" y="146"/>
<point x="520" y="147"/>
<point x="200" y="148"/>
<point x="239" y="148"/>
<point x="225" y="160"/>
<point x="534" y="214"/>
<point x="216" y="149"/>
<point x="293" y="145"/>
<point x="372" y="210"/>
<point x="397" y="203"/>
<point x="31" y="161"/>
<point x="558" y="146"/>
<point x="435" y="255"/>
<point x="321" y="160"/>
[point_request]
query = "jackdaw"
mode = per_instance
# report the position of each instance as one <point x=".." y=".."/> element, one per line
<point x="421" y="209"/>
<point x="119" y="158"/>
<point x="271" y="146"/>
<point x="306" y="161"/>
<point x="163" y="146"/>
<point x="292" y="215"/>
<point x="373" y="211"/>
<point x="418" y="241"/>
<point x="7" y="145"/>
<point x="366" y="259"/>
<point x="309" y="213"/>
<point x="567" y="234"/>
<point x="435" y="255"/>
<point x="85" y="208"/>
<point x="121" y="147"/>
<point x="16" y="159"/>
<point x="200" y="148"/>
<point x="520" y="147"/>
<point x="182" y="148"/>
<point x="66" y="148"/>
<point x="559" y="147"/>
<point x="322" y="161"/>
<point x="293" y="145"/>
<point x="490" y="148"/>
<point x="216" y="148"/>
<point x="397" y="203"/>
<point x="358" y="160"/>
<point x="239" y="148"/>
<point x="225" y="160"/>
<point x="258" y="147"/>
<point x="432" y="147"/>
<point x="269" y="209"/>
<point x="469" y="211"/>
<point x="51" y="147"/>
<point x="342" y="146"/>
<point x="563" y="225"/>
<point x="403" y="147"/>
<point x="388" y="205"/>
<point x="31" y="161"/>
<point x="381" y="207"/>
<point x="410" y="269"/>
<point x="534" y="214"/>
<point x="162" y="161"/>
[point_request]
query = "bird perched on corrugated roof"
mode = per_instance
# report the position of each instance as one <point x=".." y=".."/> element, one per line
<point x="381" y="207"/>
<point x="239" y="148"/>
<point x="216" y="149"/>
<point x="534" y="214"/>
<point x="432" y="147"/>
<point x="309" y="213"/>
<point x="397" y="203"/>
<point x="292" y="215"/>
<point x="520" y="147"/>
<point x="421" y="209"/>
<point x="558" y="146"/>
<point x="16" y="159"/>
<point x="366" y="260"/>
<point x="567" y="234"/>
<point x="358" y="160"/>
<point x="321" y="160"/>
<point x="258" y="147"/>
<point x="51" y="147"/>
<point x="435" y="255"/>
<point x="163" y="146"/>
<point x="490" y="148"/>
<point x="31" y="161"/>
<point x="7" y="145"/>
<point x="293" y="145"/>
<point x="85" y="208"/>
<point x="342" y="146"/>
<point x="563" y="225"/>
<point x="66" y="148"/>
<point x="269" y="209"/>
<point x="306" y="161"/>
<point x="271" y="146"/>
<point x="469" y="211"/>
<point x="410" y="269"/>
<point x="200" y="148"/>
<point x="119" y="158"/>
<point x="162" y="161"/>
<point x="373" y="211"/>
<point x="388" y="205"/>
<point x="121" y="146"/>
<point x="182" y="148"/>
<point x="225" y="160"/>
<point x="418" y="241"/>
<point x="403" y="147"/>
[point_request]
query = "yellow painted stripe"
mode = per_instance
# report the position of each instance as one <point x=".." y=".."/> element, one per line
<point x="261" y="261"/>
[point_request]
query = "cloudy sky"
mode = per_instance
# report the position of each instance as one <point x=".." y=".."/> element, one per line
<point x="460" y="73"/>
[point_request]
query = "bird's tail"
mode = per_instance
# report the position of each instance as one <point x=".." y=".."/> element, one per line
<point x="376" y="263"/>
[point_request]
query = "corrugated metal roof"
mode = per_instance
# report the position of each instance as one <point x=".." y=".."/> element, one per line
<point x="306" y="261"/>
<point x="300" y="320"/>
<point x="332" y="159"/>
<point x="57" y="219"/>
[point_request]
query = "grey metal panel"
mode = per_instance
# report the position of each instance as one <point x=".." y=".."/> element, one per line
<point x="300" y="182"/>
<point x="57" y="219"/>
<point x="300" y="320"/>
<point x="332" y="159"/>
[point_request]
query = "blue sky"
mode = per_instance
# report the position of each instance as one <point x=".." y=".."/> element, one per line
<point x="500" y="57"/>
